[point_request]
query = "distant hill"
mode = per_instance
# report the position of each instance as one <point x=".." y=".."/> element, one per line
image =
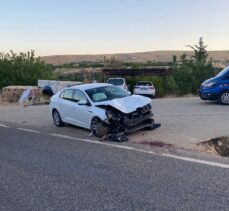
<point x="220" y="57"/>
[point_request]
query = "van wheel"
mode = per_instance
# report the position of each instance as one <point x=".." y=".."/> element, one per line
<point x="224" y="98"/>
<point x="98" y="128"/>
<point x="57" y="119"/>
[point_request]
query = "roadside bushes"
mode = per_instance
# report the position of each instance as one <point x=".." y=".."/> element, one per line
<point x="190" y="73"/>
<point x="22" y="69"/>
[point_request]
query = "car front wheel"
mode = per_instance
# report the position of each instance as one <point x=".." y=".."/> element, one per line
<point x="57" y="119"/>
<point x="98" y="128"/>
<point x="224" y="98"/>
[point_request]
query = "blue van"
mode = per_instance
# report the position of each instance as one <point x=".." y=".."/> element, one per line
<point x="216" y="88"/>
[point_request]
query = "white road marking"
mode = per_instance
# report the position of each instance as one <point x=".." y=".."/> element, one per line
<point x="91" y="141"/>
<point x="221" y="165"/>
<point x="28" y="130"/>
<point x="191" y="114"/>
<point x="5" y="126"/>
<point x="193" y="160"/>
<point x="62" y="136"/>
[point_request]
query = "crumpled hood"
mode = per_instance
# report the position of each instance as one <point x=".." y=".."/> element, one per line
<point x="127" y="104"/>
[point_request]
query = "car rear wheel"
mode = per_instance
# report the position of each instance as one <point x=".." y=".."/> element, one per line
<point x="98" y="128"/>
<point x="224" y="98"/>
<point x="57" y="119"/>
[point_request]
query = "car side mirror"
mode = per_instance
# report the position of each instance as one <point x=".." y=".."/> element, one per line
<point x="129" y="92"/>
<point x="82" y="102"/>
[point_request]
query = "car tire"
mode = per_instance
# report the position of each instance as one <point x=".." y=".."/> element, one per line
<point x="57" y="118"/>
<point x="224" y="98"/>
<point x="98" y="128"/>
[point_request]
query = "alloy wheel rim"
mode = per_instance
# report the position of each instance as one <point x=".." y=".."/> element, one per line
<point x="225" y="98"/>
<point x="94" y="126"/>
<point x="56" y="118"/>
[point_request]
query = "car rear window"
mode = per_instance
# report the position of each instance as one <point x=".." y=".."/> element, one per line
<point x="144" y="84"/>
<point x="116" y="81"/>
<point x="67" y="94"/>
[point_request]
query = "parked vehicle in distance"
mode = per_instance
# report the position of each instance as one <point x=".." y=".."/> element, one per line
<point x="145" y="88"/>
<point x="217" y="88"/>
<point x="102" y="108"/>
<point x="119" y="82"/>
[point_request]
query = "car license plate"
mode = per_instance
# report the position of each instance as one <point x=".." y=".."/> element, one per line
<point x="143" y="88"/>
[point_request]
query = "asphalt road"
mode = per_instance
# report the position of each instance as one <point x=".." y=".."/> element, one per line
<point x="41" y="171"/>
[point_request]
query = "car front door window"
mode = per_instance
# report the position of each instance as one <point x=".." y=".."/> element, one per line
<point x="78" y="95"/>
<point x="68" y="94"/>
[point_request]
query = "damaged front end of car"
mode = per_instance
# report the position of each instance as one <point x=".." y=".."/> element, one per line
<point x="121" y="124"/>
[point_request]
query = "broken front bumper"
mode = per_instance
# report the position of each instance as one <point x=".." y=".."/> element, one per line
<point x="138" y="123"/>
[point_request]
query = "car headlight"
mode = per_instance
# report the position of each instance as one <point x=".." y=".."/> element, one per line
<point x="209" y="85"/>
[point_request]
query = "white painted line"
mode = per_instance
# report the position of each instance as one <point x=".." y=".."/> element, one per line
<point x="61" y="136"/>
<point x="91" y="141"/>
<point x="193" y="160"/>
<point x="5" y="126"/>
<point x="221" y="165"/>
<point x="28" y="130"/>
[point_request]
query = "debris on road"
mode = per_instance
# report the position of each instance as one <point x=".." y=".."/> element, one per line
<point x="120" y="137"/>
<point x="217" y="146"/>
<point x="116" y="136"/>
<point x="156" y="144"/>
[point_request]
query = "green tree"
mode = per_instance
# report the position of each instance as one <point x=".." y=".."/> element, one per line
<point x="174" y="59"/>
<point x="192" y="72"/>
<point x="200" y="51"/>
<point x="22" y="69"/>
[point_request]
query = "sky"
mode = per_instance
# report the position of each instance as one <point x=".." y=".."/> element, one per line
<point x="52" y="27"/>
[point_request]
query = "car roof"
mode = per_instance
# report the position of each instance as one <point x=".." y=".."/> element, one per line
<point x="90" y="86"/>
<point x="144" y="82"/>
<point x="116" y="78"/>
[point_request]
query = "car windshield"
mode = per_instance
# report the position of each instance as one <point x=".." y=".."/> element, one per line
<point x="115" y="81"/>
<point x="224" y="71"/>
<point x="105" y="93"/>
<point x="144" y="84"/>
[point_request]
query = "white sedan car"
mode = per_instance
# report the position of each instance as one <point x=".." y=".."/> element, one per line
<point x="144" y="88"/>
<point x="102" y="108"/>
<point x="119" y="82"/>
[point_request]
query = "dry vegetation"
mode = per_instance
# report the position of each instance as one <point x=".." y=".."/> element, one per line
<point x="220" y="57"/>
